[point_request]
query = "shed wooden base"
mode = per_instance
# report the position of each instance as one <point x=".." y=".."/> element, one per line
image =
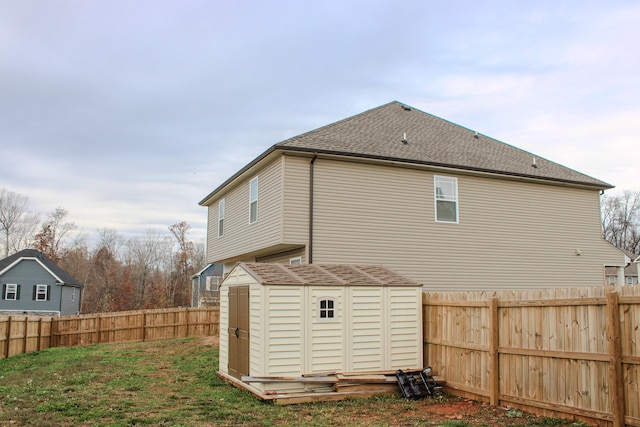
<point x="293" y="398"/>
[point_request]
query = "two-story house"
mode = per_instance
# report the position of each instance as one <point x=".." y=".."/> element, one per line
<point x="33" y="285"/>
<point x="439" y="203"/>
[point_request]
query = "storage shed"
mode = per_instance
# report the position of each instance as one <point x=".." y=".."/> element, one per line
<point x="289" y="321"/>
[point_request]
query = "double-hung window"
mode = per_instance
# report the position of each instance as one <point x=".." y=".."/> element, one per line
<point x="221" y="204"/>
<point x="11" y="292"/>
<point x="41" y="292"/>
<point x="446" y="199"/>
<point x="253" y="200"/>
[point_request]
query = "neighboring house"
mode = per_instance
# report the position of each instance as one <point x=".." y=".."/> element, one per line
<point x="33" y="285"/>
<point x="205" y="286"/>
<point x="630" y="271"/>
<point x="439" y="203"/>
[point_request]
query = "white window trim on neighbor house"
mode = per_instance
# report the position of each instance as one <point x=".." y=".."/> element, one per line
<point x="42" y="291"/>
<point x="328" y="312"/>
<point x="253" y="200"/>
<point x="221" y="206"/>
<point x="445" y="193"/>
<point x="11" y="288"/>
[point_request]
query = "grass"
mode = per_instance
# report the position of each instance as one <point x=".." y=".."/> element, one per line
<point x="174" y="383"/>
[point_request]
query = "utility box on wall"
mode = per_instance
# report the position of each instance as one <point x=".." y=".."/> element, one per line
<point x="280" y="320"/>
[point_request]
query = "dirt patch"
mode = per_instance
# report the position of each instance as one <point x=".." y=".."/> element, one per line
<point x="210" y="340"/>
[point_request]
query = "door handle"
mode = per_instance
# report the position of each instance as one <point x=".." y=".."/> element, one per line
<point x="237" y="332"/>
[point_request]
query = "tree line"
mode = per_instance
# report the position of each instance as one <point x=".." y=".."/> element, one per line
<point x="621" y="220"/>
<point x="149" y="271"/>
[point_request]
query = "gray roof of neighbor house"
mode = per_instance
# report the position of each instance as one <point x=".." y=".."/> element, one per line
<point x="65" y="277"/>
<point x="400" y="133"/>
<point x="325" y="274"/>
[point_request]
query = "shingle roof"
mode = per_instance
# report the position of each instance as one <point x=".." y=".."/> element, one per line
<point x="66" y="278"/>
<point x="378" y="133"/>
<point x="325" y="274"/>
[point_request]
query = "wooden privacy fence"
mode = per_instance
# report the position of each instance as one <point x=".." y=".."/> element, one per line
<point x="22" y="334"/>
<point x="565" y="352"/>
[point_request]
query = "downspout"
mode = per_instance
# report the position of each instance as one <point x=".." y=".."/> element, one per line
<point x="313" y="160"/>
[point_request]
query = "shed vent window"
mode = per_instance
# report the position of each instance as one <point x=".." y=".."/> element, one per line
<point x="253" y="200"/>
<point x="446" y="198"/>
<point x="327" y="309"/>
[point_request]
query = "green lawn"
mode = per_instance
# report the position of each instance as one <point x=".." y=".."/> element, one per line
<point x="174" y="383"/>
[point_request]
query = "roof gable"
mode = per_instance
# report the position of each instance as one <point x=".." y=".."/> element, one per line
<point x="52" y="268"/>
<point x="325" y="275"/>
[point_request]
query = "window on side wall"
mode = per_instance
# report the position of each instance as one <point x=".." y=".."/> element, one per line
<point x="221" y="204"/>
<point x="446" y="199"/>
<point x="11" y="291"/>
<point x="295" y="261"/>
<point x="41" y="293"/>
<point x="253" y="200"/>
<point x="326" y="309"/>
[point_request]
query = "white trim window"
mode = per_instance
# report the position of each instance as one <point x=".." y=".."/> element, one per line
<point x="295" y="261"/>
<point x="41" y="293"/>
<point x="221" y="205"/>
<point x="253" y="200"/>
<point x="446" y="198"/>
<point x="327" y="308"/>
<point x="11" y="292"/>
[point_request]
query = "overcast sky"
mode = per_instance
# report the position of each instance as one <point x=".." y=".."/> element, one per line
<point x="128" y="113"/>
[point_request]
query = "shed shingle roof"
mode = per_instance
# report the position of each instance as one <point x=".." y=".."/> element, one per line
<point x="325" y="274"/>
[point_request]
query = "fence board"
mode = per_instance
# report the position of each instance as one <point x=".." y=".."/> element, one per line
<point x="21" y="334"/>
<point x="558" y="352"/>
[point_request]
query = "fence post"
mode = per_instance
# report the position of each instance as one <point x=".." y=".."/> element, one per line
<point x="186" y="321"/>
<point x="144" y="325"/>
<point x="494" y="355"/>
<point x="6" y="347"/>
<point x="25" y="338"/>
<point x="39" y="345"/>
<point x="616" y="388"/>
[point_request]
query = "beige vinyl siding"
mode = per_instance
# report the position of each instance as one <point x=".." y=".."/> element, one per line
<point x="296" y="200"/>
<point x="240" y="237"/>
<point x="284" y="257"/>
<point x="511" y="234"/>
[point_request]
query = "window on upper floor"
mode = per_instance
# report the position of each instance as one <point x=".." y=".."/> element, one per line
<point x="221" y="204"/>
<point x="73" y="294"/>
<point x="446" y="198"/>
<point x="41" y="292"/>
<point x="253" y="200"/>
<point x="326" y="308"/>
<point x="11" y="291"/>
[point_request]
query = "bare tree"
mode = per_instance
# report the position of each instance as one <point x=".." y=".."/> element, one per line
<point x="17" y="225"/>
<point x="54" y="233"/>
<point x="144" y="257"/>
<point x="184" y="264"/>
<point x="621" y="220"/>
